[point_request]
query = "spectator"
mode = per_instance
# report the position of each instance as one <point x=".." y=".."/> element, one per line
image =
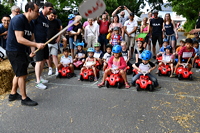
<point x="86" y="23"/>
<point x="4" y="30"/>
<point x="103" y="30"/>
<point x="17" y="42"/>
<point x="130" y="27"/>
<point x="198" y="22"/>
<point x="155" y="29"/>
<point x="144" y="28"/>
<point x="77" y="28"/>
<point x="91" y="33"/>
<point x="170" y="31"/>
<point x="15" y="10"/>
<point x="122" y="17"/>
<point x="40" y="31"/>
<point x="116" y="24"/>
<point x="196" y="38"/>
<point x="149" y="17"/>
<point x="54" y="28"/>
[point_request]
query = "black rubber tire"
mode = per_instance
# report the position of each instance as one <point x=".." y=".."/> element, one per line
<point x="107" y="84"/>
<point x="81" y="78"/>
<point x="159" y="73"/>
<point x="69" y="75"/>
<point x="179" y="77"/>
<point x="168" y="73"/>
<point x="138" y="87"/>
<point x="118" y="85"/>
<point x="151" y="88"/>
<point x="190" y="77"/>
<point x="91" y="78"/>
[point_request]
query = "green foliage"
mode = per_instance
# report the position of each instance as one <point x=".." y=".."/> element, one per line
<point x="189" y="9"/>
<point x="4" y="10"/>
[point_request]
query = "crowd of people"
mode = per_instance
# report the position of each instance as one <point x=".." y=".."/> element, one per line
<point x="109" y="40"/>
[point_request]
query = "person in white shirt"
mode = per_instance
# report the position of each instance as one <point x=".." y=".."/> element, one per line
<point x="130" y="27"/>
<point x="15" y="10"/>
<point x="91" y="33"/>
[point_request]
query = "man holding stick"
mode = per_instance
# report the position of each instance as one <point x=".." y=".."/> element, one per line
<point x="40" y="31"/>
<point x="20" y="35"/>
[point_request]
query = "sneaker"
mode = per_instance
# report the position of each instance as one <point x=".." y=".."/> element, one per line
<point x="56" y="73"/>
<point x="13" y="97"/>
<point x="50" y="72"/>
<point x="28" y="102"/>
<point x="43" y="80"/>
<point x="41" y="86"/>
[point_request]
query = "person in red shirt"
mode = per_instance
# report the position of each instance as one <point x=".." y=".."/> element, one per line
<point x="103" y="30"/>
<point x="185" y="54"/>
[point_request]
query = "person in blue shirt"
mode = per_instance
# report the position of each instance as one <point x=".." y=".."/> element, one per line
<point x="21" y="36"/>
<point x="4" y="30"/>
<point x="40" y="31"/>
<point x="162" y="49"/>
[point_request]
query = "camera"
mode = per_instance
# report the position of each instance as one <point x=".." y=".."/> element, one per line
<point x="122" y="7"/>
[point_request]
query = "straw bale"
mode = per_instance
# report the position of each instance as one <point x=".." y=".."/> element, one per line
<point x="6" y="76"/>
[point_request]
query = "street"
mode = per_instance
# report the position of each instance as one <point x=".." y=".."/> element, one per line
<point x="73" y="106"/>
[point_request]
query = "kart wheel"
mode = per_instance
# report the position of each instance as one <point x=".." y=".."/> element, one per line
<point x="91" y="78"/>
<point x="138" y="87"/>
<point x="59" y="76"/>
<point x="159" y="73"/>
<point x="68" y="75"/>
<point x="179" y="77"/>
<point x="168" y="73"/>
<point x="190" y="77"/>
<point x="151" y="88"/>
<point x="81" y="78"/>
<point x="107" y="84"/>
<point x="128" y="71"/>
<point x="195" y="65"/>
<point x="118" y="85"/>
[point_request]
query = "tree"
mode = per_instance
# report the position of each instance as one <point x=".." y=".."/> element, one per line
<point x="4" y="10"/>
<point x="188" y="9"/>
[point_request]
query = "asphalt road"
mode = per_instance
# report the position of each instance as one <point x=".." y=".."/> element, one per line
<point x="73" y="106"/>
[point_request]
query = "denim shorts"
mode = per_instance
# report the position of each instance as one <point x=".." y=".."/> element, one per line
<point x="171" y="38"/>
<point x="71" y="40"/>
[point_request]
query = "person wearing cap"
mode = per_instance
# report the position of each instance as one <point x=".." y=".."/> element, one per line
<point x="40" y="31"/>
<point x="103" y="30"/>
<point x="15" y="10"/>
<point x="91" y="33"/>
<point x="196" y="38"/>
<point x="116" y="38"/>
<point x="130" y="27"/>
<point x="116" y="23"/>
<point x="122" y="17"/>
<point x="156" y="33"/>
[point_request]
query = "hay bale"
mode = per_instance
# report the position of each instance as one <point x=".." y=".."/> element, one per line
<point x="6" y="76"/>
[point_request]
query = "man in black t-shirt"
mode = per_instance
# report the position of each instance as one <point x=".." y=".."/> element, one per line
<point x="54" y="28"/>
<point x="20" y="32"/>
<point x="156" y="26"/>
<point x="40" y="30"/>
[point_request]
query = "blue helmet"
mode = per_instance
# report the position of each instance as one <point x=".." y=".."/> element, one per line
<point x="80" y="44"/>
<point x="168" y="47"/>
<point x="71" y="16"/>
<point x="165" y="40"/>
<point x="91" y="50"/>
<point x="146" y="55"/>
<point x="117" y="49"/>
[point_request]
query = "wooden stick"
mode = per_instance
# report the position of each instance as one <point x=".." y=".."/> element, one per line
<point x="63" y="30"/>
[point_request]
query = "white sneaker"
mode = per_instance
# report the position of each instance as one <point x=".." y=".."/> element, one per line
<point x="41" y="86"/>
<point x="56" y="73"/>
<point x="43" y="80"/>
<point x="50" y="72"/>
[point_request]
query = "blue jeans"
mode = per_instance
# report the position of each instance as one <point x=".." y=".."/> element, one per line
<point x="71" y="40"/>
<point x="102" y="40"/>
<point x="151" y="77"/>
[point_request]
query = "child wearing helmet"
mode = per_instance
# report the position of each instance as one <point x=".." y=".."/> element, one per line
<point x="66" y="60"/>
<point x="107" y="56"/>
<point x="90" y="62"/>
<point x="117" y="63"/>
<point x="197" y="52"/>
<point x="165" y="44"/>
<point x="116" y="38"/>
<point x="145" y="65"/>
<point x="98" y="54"/>
<point x="71" y="18"/>
<point x="139" y="49"/>
<point x="168" y="58"/>
<point x="80" y="54"/>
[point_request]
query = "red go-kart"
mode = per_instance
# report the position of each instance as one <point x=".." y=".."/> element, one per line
<point x="135" y="72"/>
<point x="98" y="65"/>
<point x="144" y="82"/>
<point x="115" y="79"/>
<point x="88" y="74"/>
<point x="65" y="72"/>
<point x="128" y="70"/>
<point x="158" y="59"/>
<point x="197" y="63"/>
<point x="78" y="64"/>
<point x="183" y="72"/>
<point x="164" y="69"/>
